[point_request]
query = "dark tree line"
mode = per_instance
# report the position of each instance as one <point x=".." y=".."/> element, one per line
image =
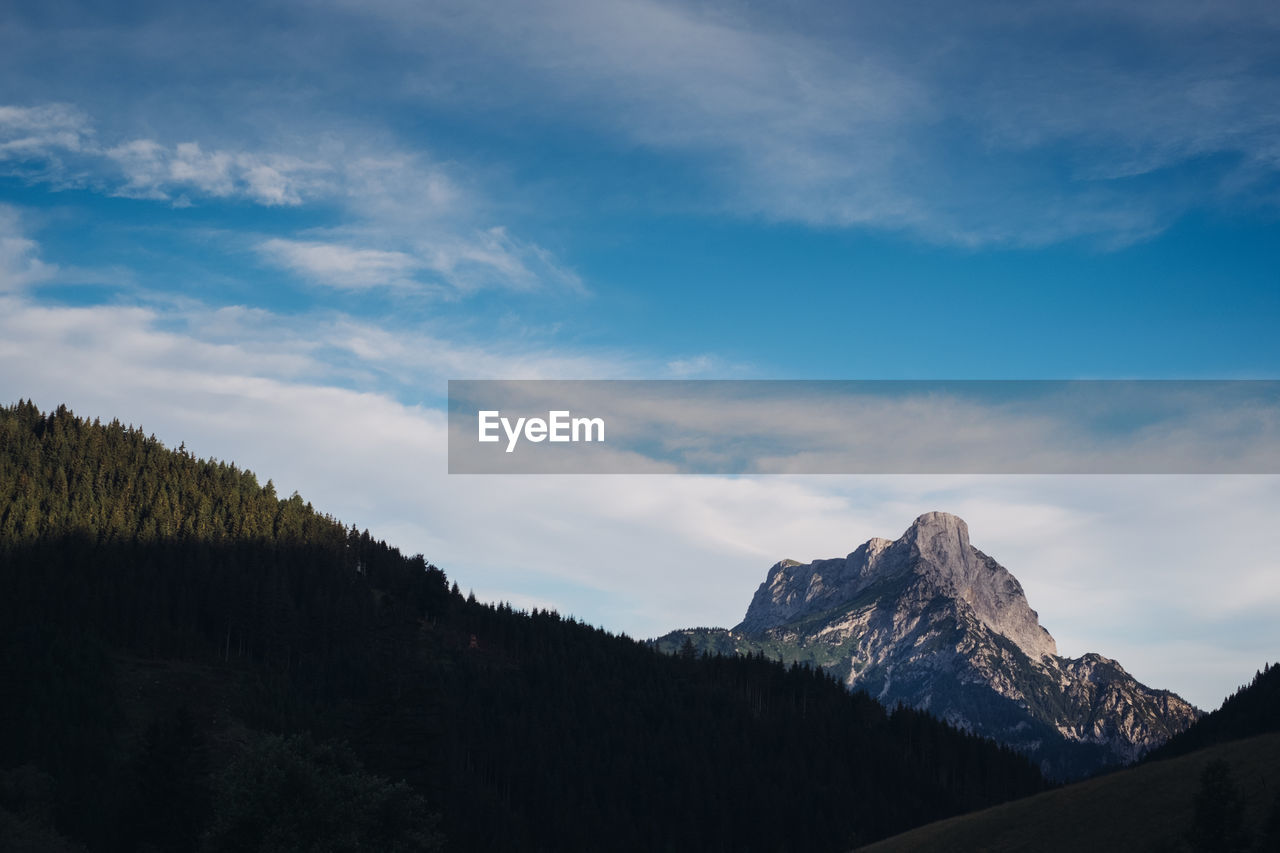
<point x="360" y="674"/>
<point x="1254" y="709"/>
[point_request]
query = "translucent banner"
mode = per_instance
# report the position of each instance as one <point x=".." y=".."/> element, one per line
<point x="864" y="427"/>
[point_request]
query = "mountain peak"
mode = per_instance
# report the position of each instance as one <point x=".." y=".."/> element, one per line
<point x="939" y="520"/>
<point x="939" y="525"/>
<point x="935" y="549"/>
<point x="931" y="621"/>
<point x="943" y="539"/>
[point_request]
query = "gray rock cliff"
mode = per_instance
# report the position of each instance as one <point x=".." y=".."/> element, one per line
<point x="931" y="622"/>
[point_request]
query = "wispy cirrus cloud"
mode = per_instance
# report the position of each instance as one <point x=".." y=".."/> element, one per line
<point x="448" y="264"/>
<point x="20" y="263"/>
<point x="154" y="171"/>
<point x="341" y="266"/>
<point x="58" y="143"/>
<point x="971" y="125"/>
<point x="407" y="224"/>
<point x="976" y="125"/>
<point x="493" y="255"/>
<point x="42" y="130"/>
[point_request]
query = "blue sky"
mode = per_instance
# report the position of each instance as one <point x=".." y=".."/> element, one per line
<point x="255" y="226"/>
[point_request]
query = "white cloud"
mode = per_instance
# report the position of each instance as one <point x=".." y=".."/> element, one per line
<point x="341" y="266"/>
<point x="390" y="187"/>
<point x="423" y="221"/>
<point x="39" y="131"/>
<point x="971" y="125"/>
<point x="20" y="264"/>
<point x="494" y="258"/>
<point x="57" y="142"/>
<point x="1173" y="576"/>
<point x="151" y="170"/>
<point x="702" y="366"/>
<point x="440" y="261"/>
<point x="333" y="348"/>
<point x="428" y="360"/>
<point x="430" y="216"/>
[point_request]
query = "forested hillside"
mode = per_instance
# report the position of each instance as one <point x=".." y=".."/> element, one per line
<point x="1254" y="709"/>
<point x="191" y="662"/>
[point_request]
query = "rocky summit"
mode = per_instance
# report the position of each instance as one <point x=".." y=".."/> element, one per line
<point x="931" y="622"/>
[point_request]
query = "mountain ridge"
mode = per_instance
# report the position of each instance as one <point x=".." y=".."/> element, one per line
<point x="931" y="622"/>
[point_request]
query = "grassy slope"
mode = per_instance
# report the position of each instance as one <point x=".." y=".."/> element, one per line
<point x="1129" y="810"/>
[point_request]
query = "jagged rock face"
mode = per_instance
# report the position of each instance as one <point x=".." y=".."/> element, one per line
<point x="931" y="622"/>
<point x="936" y="551"/>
